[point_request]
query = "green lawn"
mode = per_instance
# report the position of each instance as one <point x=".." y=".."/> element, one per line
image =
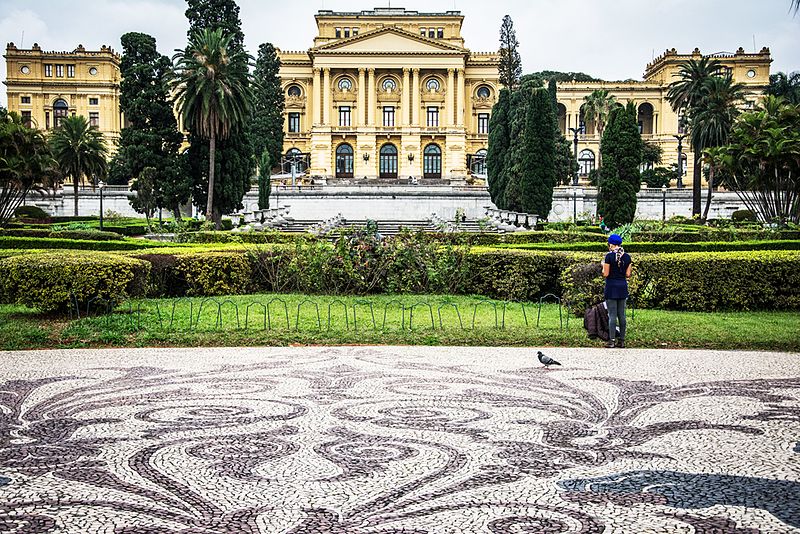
<point x="436" y="320"/>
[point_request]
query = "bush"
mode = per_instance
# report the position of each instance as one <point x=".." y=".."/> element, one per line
<point x="165" y="279"/>
<point x="31" y="212"/>
<point x="50" y="282"/>
<point x="80" y="244"/>
<point x="89" y="235"/>
<point x="743" y="215"/>
<point x="245" y="237"/>
<point x="25" y="232"/>
<point x="214" y="273"/>
<point x="663" y="247"/>
<point x="515" y="275"/>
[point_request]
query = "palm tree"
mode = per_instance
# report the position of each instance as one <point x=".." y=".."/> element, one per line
<point x="212" y="93"/>
<point x="795" y="6"/>
<point x="597" y="107"/>
<point x="787" y="86"/>
<point x="684" y="95"/>
<point x="79" y="150"/>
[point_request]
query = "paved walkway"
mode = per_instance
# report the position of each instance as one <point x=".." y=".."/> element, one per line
<point x="398" y="439"/>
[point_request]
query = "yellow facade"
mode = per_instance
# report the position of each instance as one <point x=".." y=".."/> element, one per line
<point x="391" y="94"/>
<point x="44" y="86"/>
<point x="659" y="123"/>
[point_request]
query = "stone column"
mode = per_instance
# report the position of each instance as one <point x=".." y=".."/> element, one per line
<point x="460" y="101"/>
<point x="372" y="98"/>
<point x="404" y="100"/>
<point x="448" y="101"/>
<point x="361" y="104"/>
<point x="415" y="99"/>
<point x="315" y="106"/>
<point x="326" y="97"/>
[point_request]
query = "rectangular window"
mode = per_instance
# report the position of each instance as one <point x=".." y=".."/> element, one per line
<point x="93" y="101"/>
<point x="423" y="32"/>
<point x="344" y="115"/>
<point x="46" y="120"/>
<point x="26" y="118"/>
<point x="433" y="117"/>
<point x="483" y="123"/>
<point x="59" y="71"/>
<point x="70" y="71"/>
<point x="25" y="100"/>
<point x="48" y="70"/>
<point x="355" y="32"/>
<point x="338" y="33"/>
<point x="431" y="32"/>
<point x="294" y="122"/>
<point x="347" y="32"/>
<point x="440" y="33"/>
<point x="388" y="115"/>
<point x="94" y="119"/>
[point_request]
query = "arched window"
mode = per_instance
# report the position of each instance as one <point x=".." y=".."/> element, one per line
<point x="432" y="85"/>
<point x="484" y="92"/>
<point x="345" y="84"/>
<point x="478" y="166"/>
<point x="294" y="90"/>
<point x="389" y="85"/>
<point x="585" y="162"/>
<point x="562" y="118"/>
<point x="296" y="160"/>
<point x="645" y="119"/>
<point x="586" y="126"/>
<point x="388" y="161"/>
<point x="432" y="162"/>
<point x="344" y="161"/>
<point x="60" y="109"/>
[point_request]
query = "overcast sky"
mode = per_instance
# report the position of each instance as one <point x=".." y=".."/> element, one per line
<point x="609" y="39"/>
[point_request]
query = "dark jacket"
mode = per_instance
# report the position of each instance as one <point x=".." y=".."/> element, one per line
<point x="595" y="321"/>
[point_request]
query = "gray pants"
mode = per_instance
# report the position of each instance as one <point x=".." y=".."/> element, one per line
<point x="616" y="315"/>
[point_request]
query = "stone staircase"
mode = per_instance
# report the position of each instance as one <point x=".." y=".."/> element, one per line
<point x="388" y="227"/>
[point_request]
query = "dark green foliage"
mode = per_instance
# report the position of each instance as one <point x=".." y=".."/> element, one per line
<point x="145" y="200"/>
<point x="151" y="138"/>
<point x="651" y="153"/>
<point x="510" y="61"/>
<point x="621" y="148"/>
<point x="552" y="89"/>
<point x="787" y="86"/>
<point x="90" y="235"/>
<point x="264" y="182"/>
<point x="564" y="76"/>
<point x="743" y="215"/>
<point x="77" y="244"/>
<point x="565" y="163"/>
<point x="234" y="163"/>
<point x="31" y="212"/>
<point x="499" y="145"/>
<point x="600" y="246"/>
<point x="659" y="176"/>
<point x="532" y="171"/>
<point x="267" y="125"/>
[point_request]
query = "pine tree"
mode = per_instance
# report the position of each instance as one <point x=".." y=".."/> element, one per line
<point x="510" y="61"/>
<point x="151" y="138"/>
<point x="532" y="171"/>
<point x="621" y="148"/>
<point x="234" y="162"/>
<point x="267" y="129"/>
<point x="499" y="144"/>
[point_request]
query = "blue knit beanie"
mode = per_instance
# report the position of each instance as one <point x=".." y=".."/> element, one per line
<point x="614" y="239"/>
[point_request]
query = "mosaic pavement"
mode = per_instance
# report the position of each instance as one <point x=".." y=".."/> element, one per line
<point x="398" y="439"/>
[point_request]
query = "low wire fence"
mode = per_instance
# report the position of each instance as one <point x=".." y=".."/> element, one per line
<point x="279" y="312"/>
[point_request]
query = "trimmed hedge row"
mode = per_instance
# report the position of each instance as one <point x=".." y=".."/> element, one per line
<point x="49" y="282"/>
<point x="77" y="244"/>
<point x="90" y="235"/>
<point x="663" y="247"/>
<point x="247" y="237"/>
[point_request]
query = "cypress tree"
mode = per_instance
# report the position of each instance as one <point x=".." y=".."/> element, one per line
<point x="621" y="148"/>
<point x="267" y="129"/>
<point x="264" y="182"/>
<point x="497" y="152"/>
<point x="532" y="171"/>
<point x="151" y="139"/>
<point x="234" y="155"/>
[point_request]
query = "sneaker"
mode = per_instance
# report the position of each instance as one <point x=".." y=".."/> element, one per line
<point x="620" y="343"/>
<point x="610" y="344"/>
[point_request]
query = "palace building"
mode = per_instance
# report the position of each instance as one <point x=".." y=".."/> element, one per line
<point x="388" y="94"/>
<point x="385" y="95"/>
<point x="43" y="87"/>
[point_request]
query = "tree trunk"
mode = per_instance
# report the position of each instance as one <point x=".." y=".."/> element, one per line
<point x="75" y="189"/>
<point x="710" y="192"/>
<point x="176" y="212"/>
<point x="696" y="184"/>
<point x="212" y="145"/>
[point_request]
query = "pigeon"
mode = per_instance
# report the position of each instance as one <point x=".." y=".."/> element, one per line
<point x="546" y="360"/>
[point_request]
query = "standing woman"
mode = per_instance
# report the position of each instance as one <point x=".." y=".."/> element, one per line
<point x="616" y="270"/>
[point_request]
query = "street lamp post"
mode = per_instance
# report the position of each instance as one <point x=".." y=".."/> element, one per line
<point x="663" y="203"/>
<point x="575" y="132"/>
<point x="101" y="185"/>
<point x="575" y="204"/>
<point x="680" y="159"/>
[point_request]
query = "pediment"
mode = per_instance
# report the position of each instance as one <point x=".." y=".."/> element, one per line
<point x="388" y="41"/>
